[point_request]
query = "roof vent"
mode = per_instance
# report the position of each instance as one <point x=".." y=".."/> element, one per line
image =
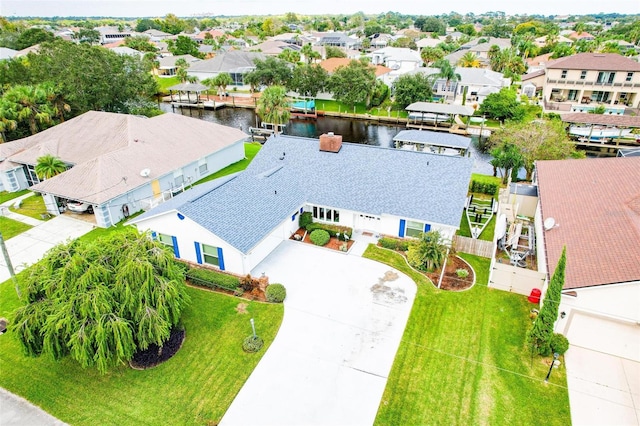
<point x="330" y="142"/>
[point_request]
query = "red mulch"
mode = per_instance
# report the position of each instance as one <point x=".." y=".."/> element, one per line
<point x="333" y="244"/>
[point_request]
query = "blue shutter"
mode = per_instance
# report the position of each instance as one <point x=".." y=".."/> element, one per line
<point x="427" y="227"/>
<point x="176" y="251"/>
<point x="301" y="209"/>
<point x="198" y="254"/>
<point x="401" y="231"/>
<point x="154" y="235"/>
<point x="220" y="259"/>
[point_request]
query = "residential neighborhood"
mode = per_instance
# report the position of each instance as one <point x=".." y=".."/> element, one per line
<point x="317" y="215"/>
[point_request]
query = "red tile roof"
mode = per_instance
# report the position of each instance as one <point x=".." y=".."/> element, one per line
<point x="595" y="61"/>
<point x="596" y="203"/>
<point x="331" y="64"/>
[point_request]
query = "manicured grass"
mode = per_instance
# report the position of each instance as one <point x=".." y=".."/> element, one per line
<point x="6" y="196"/>
<point x="250" y="151"/>
<point x="11" y="228"/>
<point x="463" y="360"/>
<point x="165" y="82"/>
<point x="487" y="234"/>
<point x="195" y="387"/>
<point x="335" y="106"/>
<point x="33" y="207"/>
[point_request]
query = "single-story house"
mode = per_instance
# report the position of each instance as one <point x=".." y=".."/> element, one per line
<point x="167" y="64"/>
<point x="234" y="223"/>
<point x="235" y="62"/>
<point x="592" y="207"/>
<point x="272" y="47"/>
<point x="119" y="164"/>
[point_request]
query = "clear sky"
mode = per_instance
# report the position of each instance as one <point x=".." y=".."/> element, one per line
<point x="155" y="8"/>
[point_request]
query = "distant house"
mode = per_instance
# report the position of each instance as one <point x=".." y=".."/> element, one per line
<point x="379" y="41"/>
<point x="560" y="39"/>
<point x="156" y="35"/>
<point x="592" y="207"/>
<point x="272" y="48"/>
<point x="110" y="34"/>
<point x="120" y="163"/>
<point x="399" y="59"/>
<point x="235" y="62"/>
<point x="583" y="35"/>
<point x="480" y="47"/>
<point x="578" y="82"/>
<point x="236" y="222"/>
<point x="167" y="64"/>
<point x="338" y="40"/>
<point x="125" y="50"/>
<point x="331" y="64"/>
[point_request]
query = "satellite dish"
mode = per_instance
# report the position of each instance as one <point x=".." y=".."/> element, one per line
<point x="145" y="172"/>
<point x="549" y="223"/>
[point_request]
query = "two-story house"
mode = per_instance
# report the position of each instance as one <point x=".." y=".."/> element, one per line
<point x="581" y="82"/>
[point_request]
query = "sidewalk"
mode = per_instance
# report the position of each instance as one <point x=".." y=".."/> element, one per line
<point x="4" y="211"/>
<point x="18" y="411"/>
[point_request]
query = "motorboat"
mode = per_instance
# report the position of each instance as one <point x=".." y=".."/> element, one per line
<point x="598" y="133"/>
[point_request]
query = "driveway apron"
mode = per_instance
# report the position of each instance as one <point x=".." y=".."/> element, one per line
<point x="30" y="246"/>
<point x="343" y="322"/>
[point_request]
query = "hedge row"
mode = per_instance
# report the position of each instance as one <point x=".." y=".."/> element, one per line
<point x="331" y="229"/>
<point x="394" y="244"/>
<point x="213" y="279"/>
<point x="484" y="188"/>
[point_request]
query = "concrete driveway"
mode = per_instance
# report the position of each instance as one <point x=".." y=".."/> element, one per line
<point x="17" y="411"/>
<point x="344" y="318"/>
<point x="30" y="246"/>
<point x="603" y="389"/>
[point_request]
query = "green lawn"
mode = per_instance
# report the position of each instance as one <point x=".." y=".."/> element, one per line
<point x="487" y="234"/>
<point x="335" y="106"/>
<point x="32" y="206"/>
<point x="165" y="82"/>
<point x="6" y="196"/>
<point x="11" y="228"/>
<point x="462" y="359"/>
<point x="195" y="387"/>
<point x="250" y="151"/>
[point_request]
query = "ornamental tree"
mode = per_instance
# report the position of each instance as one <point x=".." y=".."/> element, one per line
<point x="101" y="301"/>
<point x="428" y="251"/>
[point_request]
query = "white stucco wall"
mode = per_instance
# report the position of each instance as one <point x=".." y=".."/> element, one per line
<point x="13" y="180"/>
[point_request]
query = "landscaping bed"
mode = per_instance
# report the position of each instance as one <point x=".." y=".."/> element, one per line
<point x="333" y="244"/>
<point x="450" y="279"/>
<point x="155" y="354"/>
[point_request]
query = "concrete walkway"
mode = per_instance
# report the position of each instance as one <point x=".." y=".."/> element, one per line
<point x="4" y="211"/>
<point x="30" y="246"/>
<point x="17" y="411"/>
<point x="343" y="322"/>
<point x="603" y="389"/>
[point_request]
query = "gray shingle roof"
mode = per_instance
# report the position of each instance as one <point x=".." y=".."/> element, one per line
<point x="228" y="62"/>
<point x="290" y="171"/>
<point x="433" y="138"/>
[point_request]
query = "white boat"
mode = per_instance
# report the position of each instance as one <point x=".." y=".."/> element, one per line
<point x="428" y="117"/>
<point x="597" y="133"/>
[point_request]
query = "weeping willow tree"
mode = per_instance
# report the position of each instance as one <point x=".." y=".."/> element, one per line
<point x="101" y="301"/>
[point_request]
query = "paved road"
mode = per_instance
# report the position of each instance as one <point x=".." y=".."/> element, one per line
<point x="17" y="411"/>
<point x="344" y="318"/>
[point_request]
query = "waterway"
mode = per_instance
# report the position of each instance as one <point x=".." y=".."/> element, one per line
<point x="356" y="131"/>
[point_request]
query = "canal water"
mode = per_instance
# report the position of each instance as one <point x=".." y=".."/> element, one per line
<point x="357" y="131"/>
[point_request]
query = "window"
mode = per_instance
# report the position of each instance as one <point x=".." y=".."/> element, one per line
<point x="178" y="178"/>
<point x="165" y="239"/>
<point x="629" y="76"/>
<point x="329" y="215"/>
<point x="414" y="229"/>
<point x="606" y="77"/>
<point x="202" y="166"/>
<point x="210" y="255"/>
<point x="573" y="94"/>
<point x="583" y="75"/>
<point x="564" y="74"/>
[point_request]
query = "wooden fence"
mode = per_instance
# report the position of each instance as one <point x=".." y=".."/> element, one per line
<point x="473" y="246"/>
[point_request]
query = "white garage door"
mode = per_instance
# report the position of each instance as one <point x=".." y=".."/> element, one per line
<point x="605" y="335"/>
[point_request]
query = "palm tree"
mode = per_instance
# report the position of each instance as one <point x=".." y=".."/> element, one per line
<point x="57" y="99"/>
<point x="469" y="60"/>
<point x="448" y="72"/>
<point x="49" y="166"/>
<point x="220" y="81"/>
<point x="431" y="54"/>
<point x="309" y="54"/>
<point x="273" y="106"/>
<point x="30" y="105"/>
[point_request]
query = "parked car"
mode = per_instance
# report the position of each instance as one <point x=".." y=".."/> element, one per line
<point x="79" y="207"/>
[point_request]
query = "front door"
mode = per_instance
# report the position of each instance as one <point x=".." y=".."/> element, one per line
<point x="367" y="222"/>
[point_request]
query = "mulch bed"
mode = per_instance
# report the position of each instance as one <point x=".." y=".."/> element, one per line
<point x="333" y="244"/>
<point x="450" y="280"/>
<point x="255" y="294"/>
<point x="155" y="355"/>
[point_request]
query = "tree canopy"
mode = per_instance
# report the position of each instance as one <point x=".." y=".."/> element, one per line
<point x="273" y="106"/>
<point x="308" y="80"/>
<point x="410" y="88"/>
<point x="101" y="301"/>
<point x="49" y="166"/>
<point x="271" y="71"/>
<point x="503" y="105"/>
<point x="353" y="83"/>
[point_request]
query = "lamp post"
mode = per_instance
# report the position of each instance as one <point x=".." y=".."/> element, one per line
<point x="253" y="327"/>
<point x="555" y="358"/>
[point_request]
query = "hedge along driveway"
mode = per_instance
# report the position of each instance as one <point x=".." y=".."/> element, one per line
<point x="344" y="317"/>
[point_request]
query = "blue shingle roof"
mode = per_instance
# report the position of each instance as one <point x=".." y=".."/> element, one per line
<point x="433" y="138"/>
<point x="290" y="171"/>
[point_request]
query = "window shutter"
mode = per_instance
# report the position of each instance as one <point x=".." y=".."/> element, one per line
<point x="176" y="250"/>
<point x="220" y="259"/>
<point x="154" y="235"/>
<point x="401" y="230"/>
<point x="427" y="227"/>
<point x="198" y="254"/>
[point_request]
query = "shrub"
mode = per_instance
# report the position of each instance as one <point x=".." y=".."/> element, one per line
<point x="559" y="343"/>
<point x="484" y="188"/>
<point x="248" y="283"/>
<point x="331" y="229"/>
<point x="212" y="279"/>
<point x="276" y="293"/>
<point x="319" y="237"/>
<point x="252" y="344"/>
<point x="394" y="244"/>
<point x="462" y="273"/>
<point x="305" y="219"/>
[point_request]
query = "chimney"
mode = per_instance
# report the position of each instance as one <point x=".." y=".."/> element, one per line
<point x="330" y="142"/>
